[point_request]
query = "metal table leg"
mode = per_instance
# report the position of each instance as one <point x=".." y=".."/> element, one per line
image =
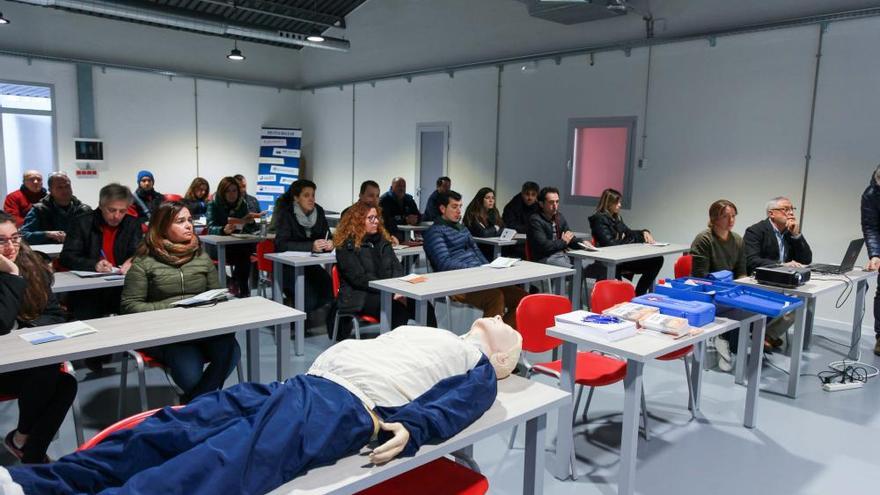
<point x="299" y="302"/>
<point x="742" y="351"/>
<point x="755" y="363"/>
<point x="629" y="442"/>
<point x="533" y="473"/>
<point x="810" y="303"/>
<point x="797" y="349"/>
<point x="422" y="312"/>
<point x="577" y="282"/>
<point x="699" y="355"/>
<point x="385" y="312"/>
<point x="858" y="315"/>
<point x="221" y="263"/>
<point x="564" y="440"/>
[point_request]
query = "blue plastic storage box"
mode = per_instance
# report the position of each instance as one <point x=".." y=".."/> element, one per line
<point x="698" y="313"/>
<point x="699" y="290"/>
<point x="762" y="301"/>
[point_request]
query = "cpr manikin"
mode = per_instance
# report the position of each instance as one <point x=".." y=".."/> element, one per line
<point x="403" y="389"/>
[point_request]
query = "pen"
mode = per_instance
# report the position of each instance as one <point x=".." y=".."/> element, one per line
<point x="103" y="255"/>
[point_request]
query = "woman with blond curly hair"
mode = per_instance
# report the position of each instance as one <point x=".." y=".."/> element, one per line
<point x="364" y="253"/>
<point x="169" y="265"/>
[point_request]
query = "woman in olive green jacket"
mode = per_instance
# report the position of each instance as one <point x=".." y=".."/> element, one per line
<point x="169" y="266"/>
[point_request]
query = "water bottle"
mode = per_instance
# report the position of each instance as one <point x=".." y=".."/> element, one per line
<point x="264" y="225"/>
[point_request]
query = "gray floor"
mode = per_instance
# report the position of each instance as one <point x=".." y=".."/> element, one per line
<point x="820" y="443"/>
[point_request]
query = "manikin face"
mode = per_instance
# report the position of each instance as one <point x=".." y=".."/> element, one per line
<point x="489" y="201"/>
<point x="33" y="181"/>
<point x="452" y="211"/>
<point x="782" y="213"/>
<point x="399" y="188"/>
<point x="726" y="221"/>
<point x="61" y="191"/>
<point x="181" y="229"/>
<point x="146" y="183"/>
<point x="10" y="240"/>
<point x="372" y="221"/>
<point x="550" y="206"/>
<point x="114" y="211"/>
<point x="306" y="199"/>
<point x="499" y="342"/>
<point x="370" y="196"/>
<point x="529" y="197"/>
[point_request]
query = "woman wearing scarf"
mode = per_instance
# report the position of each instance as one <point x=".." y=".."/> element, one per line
<point x="483" y="219"/>
<point x="170" y="266"/>
<point x="300" y="225"/>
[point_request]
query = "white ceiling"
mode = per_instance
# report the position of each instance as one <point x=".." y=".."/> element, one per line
<point x="386" y="36"/>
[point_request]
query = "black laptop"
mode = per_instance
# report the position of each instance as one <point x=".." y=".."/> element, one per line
<point x="848" y="263"/>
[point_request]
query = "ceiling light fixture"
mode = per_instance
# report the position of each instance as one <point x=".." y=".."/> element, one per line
<point x="315" y="36"/>
<point x="3" y="20"/>
<point x="235" y="54"/>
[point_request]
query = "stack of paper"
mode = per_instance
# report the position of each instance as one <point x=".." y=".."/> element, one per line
<point x="606" y="327"/>
<point x="671" y="325"/>
<point x="210" y="296"/>
<point x="502" y="262"/>
<point x="61" y="332"/>
<point x="631" y="311"/>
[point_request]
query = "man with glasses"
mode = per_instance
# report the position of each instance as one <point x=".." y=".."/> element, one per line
<point x="19" y="203"/>
<point x="777" y="240"/>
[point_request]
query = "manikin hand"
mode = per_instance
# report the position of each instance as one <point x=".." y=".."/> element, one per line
<point x="7" y="266"/>
<point x="394" y="446"/>
<point x="873" y="264"/>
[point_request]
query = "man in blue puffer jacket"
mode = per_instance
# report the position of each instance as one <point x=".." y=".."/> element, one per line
<point x="871" y="231"/>
<point x="449" y="246"/>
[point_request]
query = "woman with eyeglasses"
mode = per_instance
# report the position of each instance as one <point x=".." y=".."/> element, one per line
<point x="44" y="393"/>
<point x="715" y="249"/>
<point x="170" y="265"/>
<point x="363" y="254"/>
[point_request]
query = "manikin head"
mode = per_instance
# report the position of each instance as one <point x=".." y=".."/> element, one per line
<point x="498" y="341"/>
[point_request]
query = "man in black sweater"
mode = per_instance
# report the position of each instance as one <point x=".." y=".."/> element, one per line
<point x="773" y="241"/>
<point x="516" y="215"/>
<point x="398" y="208"/>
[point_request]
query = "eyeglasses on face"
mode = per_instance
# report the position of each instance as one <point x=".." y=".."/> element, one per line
<point x="786" y="209"/>
<point x="14" y="240"/>
<point x="373" y="218"/>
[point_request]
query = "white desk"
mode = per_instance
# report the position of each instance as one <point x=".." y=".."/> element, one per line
<point x="332" y="218"/>
<point x="638" y="350"/>
<point x="519" y="400"/>
<point x="803" y="328"/>
<point x="50" y="250"/>
<point x="612" y="256"/>
<point x="221" y="241"/>
<point x="441" y="284"/>
<point x="412" y="229"/>
<point x="497" y="243"/>
<point x="68" y="282"/>
<point x="153" y="328"/>
<point x="299" y="260"/>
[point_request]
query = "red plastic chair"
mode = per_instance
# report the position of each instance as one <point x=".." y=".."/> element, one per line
<point x="684" y="266"/>
<point x="607" y="293"/>
<point x="534" y="315"/>
<point x="440" y="477"/>
<point x="264" y="266"/>
<point x="356" y="319"/>
<point x="173" y="197"/>
<point x="66" y="367"/>
<point x="456" y="479"/>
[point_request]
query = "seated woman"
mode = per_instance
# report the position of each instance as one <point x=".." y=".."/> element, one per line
<point x="405" y="388"/>
<point x="720" y="248"/>
<point x="170" y="266"/>
<point x="196" y="197"/>
<point x="44" y="393"/>
<point x="363" y="254"/>
<point x="483" y="219"/>
<point x="300" y="225"/>
<point x="609" y="230"/>
<point x="227" y="214"/>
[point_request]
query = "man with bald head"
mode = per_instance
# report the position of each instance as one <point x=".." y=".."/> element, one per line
<point x="398" y="208"/>
<point x="19" y="203"/>
<point x="49" y="219"/>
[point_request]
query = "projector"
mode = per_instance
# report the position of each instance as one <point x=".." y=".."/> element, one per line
<point x="782" y="276"/>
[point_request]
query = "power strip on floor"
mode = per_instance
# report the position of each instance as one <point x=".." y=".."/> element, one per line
<point x="837" y="387"/>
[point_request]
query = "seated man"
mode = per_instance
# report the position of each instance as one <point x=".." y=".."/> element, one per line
<point x="19" y="203"/>
<point x="449" y="246"/>
<point x="251" y="438"/>
<point x="432" y="212"/>
<point x="549" y="235"/>
<point x="50" y="218"/>
<point x="516" y="216"/>
<point x="398" y="208"/>
<point x="773" y="241"/>
<point x="253" y="204"/>
<point x="146" y="198"/>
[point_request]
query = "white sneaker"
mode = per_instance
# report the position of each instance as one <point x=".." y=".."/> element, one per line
<point x="725" y="357"/>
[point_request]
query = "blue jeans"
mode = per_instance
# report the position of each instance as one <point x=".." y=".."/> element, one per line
<point x="185" y="362"/>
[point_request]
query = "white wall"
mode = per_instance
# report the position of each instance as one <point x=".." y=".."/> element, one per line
<point x="326" y="145"/>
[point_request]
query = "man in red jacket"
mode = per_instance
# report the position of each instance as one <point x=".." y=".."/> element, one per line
<point x="19" y="203"/>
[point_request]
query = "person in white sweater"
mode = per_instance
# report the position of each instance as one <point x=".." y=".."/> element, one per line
<point x="402" y="389"/>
